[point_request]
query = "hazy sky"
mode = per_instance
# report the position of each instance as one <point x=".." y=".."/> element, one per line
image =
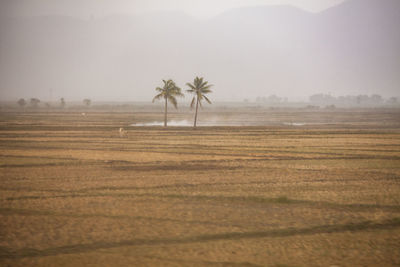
<point x="199" y="8"/>
<point x="350" y="48"/>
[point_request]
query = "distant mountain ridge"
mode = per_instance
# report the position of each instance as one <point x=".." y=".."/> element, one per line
<point x="246" y="52"/>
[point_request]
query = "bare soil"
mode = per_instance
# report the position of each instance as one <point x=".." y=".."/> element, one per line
<point x="73" y="192"/>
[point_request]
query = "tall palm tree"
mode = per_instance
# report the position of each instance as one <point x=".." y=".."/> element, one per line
<point x="199" y="88"/>
<point x="169" y="91"/>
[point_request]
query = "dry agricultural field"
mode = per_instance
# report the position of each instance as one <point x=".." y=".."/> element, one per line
<point x="75" y="193"/>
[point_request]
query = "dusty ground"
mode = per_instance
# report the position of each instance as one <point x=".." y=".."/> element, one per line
<point x="73" y="192"/>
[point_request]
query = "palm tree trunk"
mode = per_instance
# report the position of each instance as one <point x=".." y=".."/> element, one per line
<point x="195" y="116"/>
<point x="165" y="113"/>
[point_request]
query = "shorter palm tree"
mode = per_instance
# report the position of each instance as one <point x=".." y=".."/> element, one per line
<point x="199" y="88"/>
<point x="169" y="91"/>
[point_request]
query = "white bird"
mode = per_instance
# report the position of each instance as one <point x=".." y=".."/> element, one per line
<point x="122" y="132"/>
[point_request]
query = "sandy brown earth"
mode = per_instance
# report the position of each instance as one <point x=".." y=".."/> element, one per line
<point x="75" y="193"/>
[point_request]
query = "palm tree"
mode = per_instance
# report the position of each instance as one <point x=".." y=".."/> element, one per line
<point x="199" y="88"/>
<point x="168" y="92"/>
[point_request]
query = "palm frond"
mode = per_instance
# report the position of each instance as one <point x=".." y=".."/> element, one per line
<point x="176" y="91"/>
<point x="208" y="100"/>
<point x="173" y="101"/>
<point x="170" y="84"/>
<point x="206" y="91"/>
<point x="203" y="84"/>
<point x="197" y="82"/>
<point x="157" y="97"/>
<point x="207" y="87"/>
<point x="191" y="86"/>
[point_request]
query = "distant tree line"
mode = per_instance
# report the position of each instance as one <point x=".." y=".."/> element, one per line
<point x="352" y="100"/>
<point x="34" y="103"/>
<point x="328" y="100"/>
<point x="272" y="99"/>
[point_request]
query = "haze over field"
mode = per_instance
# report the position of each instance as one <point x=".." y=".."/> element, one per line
<point x="81" y="49"/>
<point x="108" y="159"/>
